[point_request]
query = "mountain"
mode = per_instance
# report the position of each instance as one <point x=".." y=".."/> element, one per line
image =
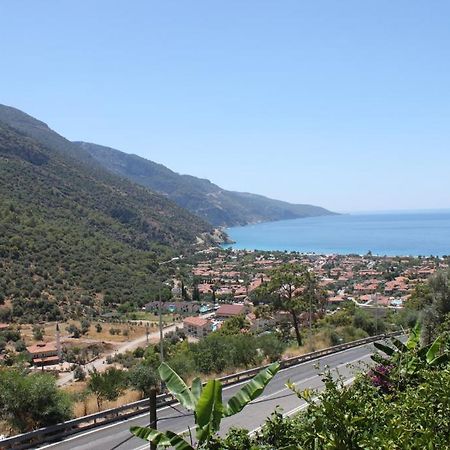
<point x="74" y="237"/>
<point x="203" y="198"/>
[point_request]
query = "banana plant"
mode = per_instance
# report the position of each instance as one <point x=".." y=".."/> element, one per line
<point x="399" y="347"/>
<point x="206" y="403"/>
<point x="410" y="355"/>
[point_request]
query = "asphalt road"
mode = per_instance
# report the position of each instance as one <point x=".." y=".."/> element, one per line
<point x="306" y="375"/>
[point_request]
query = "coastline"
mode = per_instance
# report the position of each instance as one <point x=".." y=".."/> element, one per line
<point x="411" y="234"/>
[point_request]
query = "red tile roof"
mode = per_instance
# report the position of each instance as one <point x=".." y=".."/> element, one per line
<point x="42" y="347"/>
<point x="195" y="321"/>
<point x="231" y="310"/>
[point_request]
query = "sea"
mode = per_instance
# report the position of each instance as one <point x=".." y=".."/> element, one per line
<point x="419" y="233"/>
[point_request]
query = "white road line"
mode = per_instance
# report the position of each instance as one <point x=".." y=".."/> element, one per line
<point x="77" y="436"/>
<point x="299" y="408"/>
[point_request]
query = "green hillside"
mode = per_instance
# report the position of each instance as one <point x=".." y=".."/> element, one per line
<point x="74" y="238"/>
<point x="203" y="198"/>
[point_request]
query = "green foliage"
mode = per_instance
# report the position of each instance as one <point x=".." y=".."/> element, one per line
<point x="20" y="346"/>
<point x="234" y="325"/>
<point x="79" y="374"/>
<point x="296" y="291"/>
<point x="164" y="439"/>
<point x="177" y="386"/>
<point x="271" y="346"/>
<point x="436" y="301"/>
<point x="219" y="352"/>
<point x="376" y="412"/>
<point x="409" y="359"/>
<point x="71" y="233"/>
<point x="38" y="333"/>
<point x="236" y="439"/>
<point x="367" y="322"/>
<point x="85" y="326"/>
<point x="30" y="401"/>
<point x="108" y="385"/>
<point x="251" y="390"/>
<point x="143" y="378"/>
<point x="212" y="203"/>
<point x="74" y="331"/>
<point x="206" y="402"/>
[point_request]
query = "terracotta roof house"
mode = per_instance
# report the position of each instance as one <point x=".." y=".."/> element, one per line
<point x="231" y="310"/>
<point x="197" y="326"/>
<point x="44" y="353"/>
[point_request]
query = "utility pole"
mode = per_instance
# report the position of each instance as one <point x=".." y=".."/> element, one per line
<point x="376" y="313"/>
<point x="310" y="318"/>
<point x="153" y="418"/>
<point x="161" y="336"/>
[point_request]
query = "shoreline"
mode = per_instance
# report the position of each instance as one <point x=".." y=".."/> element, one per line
<point x="420" y="234"/>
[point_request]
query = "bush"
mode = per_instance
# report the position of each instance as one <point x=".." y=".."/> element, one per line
<point x="79" y="374"/>
<point x="143" y="378"/>
<point x="30" y="401"/>
<point x="403" y="403"/>
<point x="271" y="347"/>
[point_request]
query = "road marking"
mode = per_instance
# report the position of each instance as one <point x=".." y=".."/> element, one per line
<point x="298" y="408"/>
<point x="265" y="397"/>
<point x="101" y="428"/>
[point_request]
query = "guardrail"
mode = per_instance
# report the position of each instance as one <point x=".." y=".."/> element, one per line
<point x="54" y="433"/>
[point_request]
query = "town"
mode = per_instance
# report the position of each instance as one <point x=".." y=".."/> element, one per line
<point x="216" y="285"/>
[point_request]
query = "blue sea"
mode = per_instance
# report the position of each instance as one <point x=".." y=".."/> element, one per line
<point x="402" y="234"/>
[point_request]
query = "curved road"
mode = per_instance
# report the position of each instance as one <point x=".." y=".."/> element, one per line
<point x="306" y="375"/>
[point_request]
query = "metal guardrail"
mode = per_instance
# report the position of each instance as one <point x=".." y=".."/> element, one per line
<point x="54" y="433"/>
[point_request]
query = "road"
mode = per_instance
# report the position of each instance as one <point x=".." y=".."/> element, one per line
<point x="100" y="363"/>
<point x="117" y="436"/>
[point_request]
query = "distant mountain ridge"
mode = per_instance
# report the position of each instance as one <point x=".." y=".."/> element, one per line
<point x="74" y="237"/>
<point x="201" y="197"/>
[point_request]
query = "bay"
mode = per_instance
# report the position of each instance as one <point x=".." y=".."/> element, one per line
<point x="402" y="234"/>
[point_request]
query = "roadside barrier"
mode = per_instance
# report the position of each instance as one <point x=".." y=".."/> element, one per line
<point x="57" y="432"/>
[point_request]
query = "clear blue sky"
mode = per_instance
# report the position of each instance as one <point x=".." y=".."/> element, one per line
<point x="344" y="104"/>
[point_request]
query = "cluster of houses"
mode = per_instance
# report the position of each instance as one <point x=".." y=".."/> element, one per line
<point x="366" y="280"/>
<point x="226" y="281"/>
<point x="198" y="327"/>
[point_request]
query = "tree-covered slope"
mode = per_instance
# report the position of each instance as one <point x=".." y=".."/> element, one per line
<point x="200" y="196"/>
<point x="74" y="237"/>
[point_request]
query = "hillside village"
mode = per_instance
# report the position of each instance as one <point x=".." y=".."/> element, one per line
<point x="224" y="281"/>
<point x="222" y="284"/>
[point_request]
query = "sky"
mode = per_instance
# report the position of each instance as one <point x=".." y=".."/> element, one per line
<point x="342" y="104"/>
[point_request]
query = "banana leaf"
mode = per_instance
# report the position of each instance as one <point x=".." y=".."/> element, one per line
<point x="196" y="388"/>
<point x="164" y="439"/>
<point x="209" y="410"/>
<point x="384" y="348"/>
<point x="441" y="359"/>
<point x="422" y="352"/>
<point x="400" y="345"/>
<point x="434" y="350"/>
<point x="177" y="386"/>
<point x="251" y="390"/>
<point x="414" y="337"/>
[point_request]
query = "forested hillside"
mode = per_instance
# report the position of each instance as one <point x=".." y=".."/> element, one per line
<point x="203" y="198"/>
<point x="73" y="237"/>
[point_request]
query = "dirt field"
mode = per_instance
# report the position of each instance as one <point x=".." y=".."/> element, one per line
<point x="128" y="332"/>
<point x="87" y="404"/>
